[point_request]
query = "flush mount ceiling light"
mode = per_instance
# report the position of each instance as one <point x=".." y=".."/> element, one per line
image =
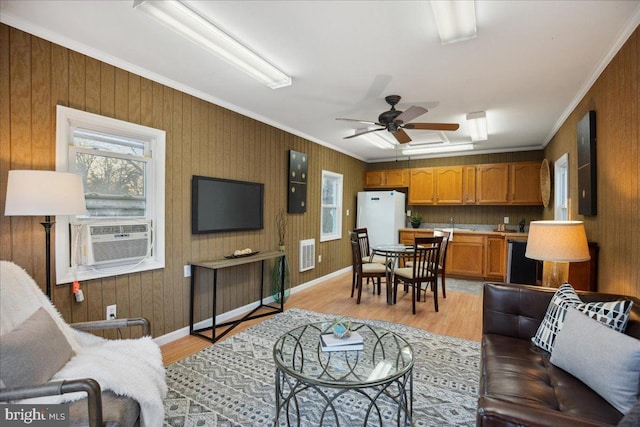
<point x="179" y="17"/>
<point x="444" y="148"/>
<point x="455" y="19"/>
<point x="477" y="123"/>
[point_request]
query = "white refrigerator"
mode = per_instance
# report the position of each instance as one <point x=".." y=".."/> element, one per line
<point x="383" y="214"/>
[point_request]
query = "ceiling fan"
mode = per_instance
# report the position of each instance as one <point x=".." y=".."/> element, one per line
<point x="395" y="121"/>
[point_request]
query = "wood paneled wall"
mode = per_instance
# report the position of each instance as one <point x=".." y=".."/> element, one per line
<point x="202" y="139"/>
<point x="615" y="96"/>
<point x="471" y="214"/>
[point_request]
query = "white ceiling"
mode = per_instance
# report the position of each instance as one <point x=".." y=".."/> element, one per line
<point x="530" y="64"/>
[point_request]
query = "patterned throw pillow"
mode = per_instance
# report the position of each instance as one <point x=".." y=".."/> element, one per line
<point x="614" y="314"/>
<point x="564" y="298"/>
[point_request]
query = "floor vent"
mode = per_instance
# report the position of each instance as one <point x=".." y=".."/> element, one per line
<point x="307" y="254"/>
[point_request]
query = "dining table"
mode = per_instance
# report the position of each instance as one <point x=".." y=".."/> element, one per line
<point x="392" y="253"/>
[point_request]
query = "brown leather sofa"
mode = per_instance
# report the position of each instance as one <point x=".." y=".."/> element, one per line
<point x="518" y="385"/>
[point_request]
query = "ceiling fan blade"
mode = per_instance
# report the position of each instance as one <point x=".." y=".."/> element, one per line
<point x="362" y="133"/>
<point x="359" y="121"/>
<point x="401" y="136"/>
<point x="410" y="114"/>
<point x="432" y="126"/>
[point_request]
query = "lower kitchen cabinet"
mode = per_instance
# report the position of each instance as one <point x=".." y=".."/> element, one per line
<point x="496" y="258"/>
<point x="465" y="255"/>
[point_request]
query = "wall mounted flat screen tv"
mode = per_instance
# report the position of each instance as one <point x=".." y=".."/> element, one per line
<point x="219" y="205"/>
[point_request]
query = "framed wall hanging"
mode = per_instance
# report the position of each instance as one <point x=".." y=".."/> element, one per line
<point x="587" y="183"/>
<point x="297" y="182"/>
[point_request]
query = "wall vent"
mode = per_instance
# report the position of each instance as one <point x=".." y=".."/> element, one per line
<point x="307" y="254"/>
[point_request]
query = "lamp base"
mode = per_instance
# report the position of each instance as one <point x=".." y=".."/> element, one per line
<point x="554" y="274"/>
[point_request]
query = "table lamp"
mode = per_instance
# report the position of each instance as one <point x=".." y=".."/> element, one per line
<point x="557" y="243"/>
<point x="47" y="193"/>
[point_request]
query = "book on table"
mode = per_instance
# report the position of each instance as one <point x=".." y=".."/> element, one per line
<point x="330" y="342"/>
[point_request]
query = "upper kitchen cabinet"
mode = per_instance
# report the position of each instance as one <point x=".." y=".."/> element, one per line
<point x="492" y="184"/>
<point x="392" y="178"/>
<point x="422" y="186"/>
<point x="524" y="183"/>
<point x="469" y="185"/>
<point x="431" y="186"/>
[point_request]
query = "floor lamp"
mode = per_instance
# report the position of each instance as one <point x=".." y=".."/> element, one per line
<point x="44" y="193"/>
<point x="557" y="243"/>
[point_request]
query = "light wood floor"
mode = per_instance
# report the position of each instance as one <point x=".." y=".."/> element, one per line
<point x="460" y="314"/>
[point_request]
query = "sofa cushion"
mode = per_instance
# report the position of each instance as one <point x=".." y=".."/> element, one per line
<point x="33" y="351"/>
<point x="564" y="297"/>
<point x="611" y="370"/>
<point x="614" y="314"/>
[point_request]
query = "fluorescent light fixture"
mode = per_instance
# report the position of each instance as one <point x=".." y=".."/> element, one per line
<point x="477" y="123"/>
<point x="444" y="148"/>
<point x="378" y="140"/>
<point x="455" y="19"/>
<point x="180" y="18"/>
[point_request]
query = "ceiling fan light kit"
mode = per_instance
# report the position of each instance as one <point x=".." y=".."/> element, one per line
<point x="180" y="18"/>
<point x="455" y="19"/>
<point x="477" y="123"/>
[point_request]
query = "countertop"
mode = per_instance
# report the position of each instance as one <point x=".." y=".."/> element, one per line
<point x="505" y="234"/>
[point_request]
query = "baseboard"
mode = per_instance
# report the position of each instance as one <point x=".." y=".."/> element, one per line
<point x="183" y="332"/>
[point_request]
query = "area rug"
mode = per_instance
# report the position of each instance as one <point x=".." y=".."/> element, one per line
<point x="232" y="383"/>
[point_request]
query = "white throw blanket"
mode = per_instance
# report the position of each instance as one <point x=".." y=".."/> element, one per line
<point x="131" y="368"/>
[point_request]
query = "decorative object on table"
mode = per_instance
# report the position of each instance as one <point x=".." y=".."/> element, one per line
<point x="415" y="220"/>
<point x="297" y="188"/>
<point x="341" y="327"/>
<point x="331" y="342"/>
<point x="281" y="266"/>
<point x="587" y="188"/>
<point x="557" y="243"/>
<point x="545" y="183"/>
<point x="44" y="193"/>
<point x="240" y="253"/>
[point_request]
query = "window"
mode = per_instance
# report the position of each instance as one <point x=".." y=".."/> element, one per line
<point x="561" y="188"/>
<point x="331" y="215"/>
<point x="122" y="166"/>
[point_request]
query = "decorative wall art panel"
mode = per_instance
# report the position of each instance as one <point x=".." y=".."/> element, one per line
<point x="587" y="183"/>
<point x="297" y="182"/>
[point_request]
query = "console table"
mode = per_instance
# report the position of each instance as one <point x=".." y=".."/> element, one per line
<point x="218" y="264"/>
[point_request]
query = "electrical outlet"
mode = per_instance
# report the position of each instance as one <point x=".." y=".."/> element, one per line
<point x="506" y="220"/>
<point x="408" y="212"/>
<point x="111" y="312"/>
<point x="347" y="212"/>
<point x="187" y="271"/>
<point x="319" y="258"/>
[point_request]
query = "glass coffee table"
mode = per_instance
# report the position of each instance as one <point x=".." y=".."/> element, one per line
<point x="370" y="387"/>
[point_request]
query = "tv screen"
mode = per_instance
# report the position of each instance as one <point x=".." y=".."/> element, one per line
<point x="225" y="205"/>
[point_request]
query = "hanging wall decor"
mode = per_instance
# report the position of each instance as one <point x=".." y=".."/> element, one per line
<point x="587" y="183"/>
<point x="297" y="188"/>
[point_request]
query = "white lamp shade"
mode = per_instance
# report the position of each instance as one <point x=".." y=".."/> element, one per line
<point x="44" y="193"/>
<point x="559" y="241"/>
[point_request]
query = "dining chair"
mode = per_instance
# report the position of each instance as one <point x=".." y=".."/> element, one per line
<point x="424" y="269"/>
<point x="365" y="270"/>
<point x="443" y="258"/>
<point x="367" y="256"/>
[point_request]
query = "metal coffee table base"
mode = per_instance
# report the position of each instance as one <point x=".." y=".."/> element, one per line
<point x="332" y="402"/>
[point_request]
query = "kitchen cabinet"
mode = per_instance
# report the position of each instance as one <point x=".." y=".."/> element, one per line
<point x="391" y="178"/>
<point x="496" y="262"/>
<point x="431" y="186"/>
<point x="492" y="184"/>
<point x="465" y="255"/>
<point x="422" y="186"/>
<point x="407" y="237"/>
<point x="469" y="185"/>
<point x="524" y="183"/>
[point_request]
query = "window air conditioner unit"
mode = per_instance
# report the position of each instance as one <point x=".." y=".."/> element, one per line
<point x="110" y="242"/>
